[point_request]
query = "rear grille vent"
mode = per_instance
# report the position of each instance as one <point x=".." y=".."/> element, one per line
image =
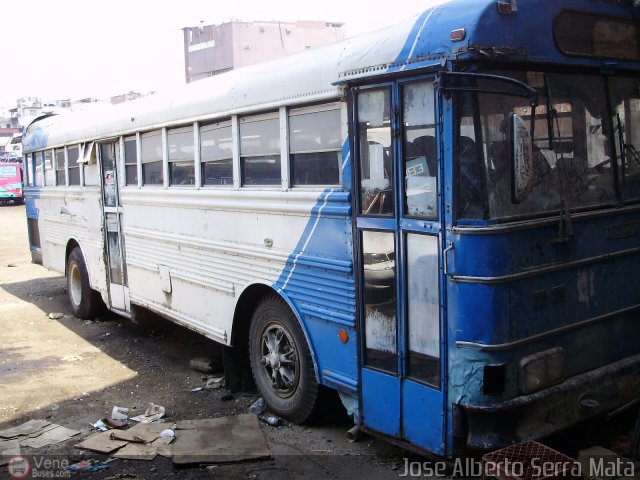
<point x="539" y="298"/>
<point x="557" y="294"/>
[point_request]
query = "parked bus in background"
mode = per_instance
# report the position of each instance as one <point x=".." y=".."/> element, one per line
<point x="439" y="220"/>
<point x="11" y="183"/>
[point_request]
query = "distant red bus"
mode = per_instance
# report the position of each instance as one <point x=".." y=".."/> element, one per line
<point x="11" y="183"/>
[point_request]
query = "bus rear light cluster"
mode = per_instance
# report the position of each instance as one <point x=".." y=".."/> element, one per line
<point x="541" y="369"/>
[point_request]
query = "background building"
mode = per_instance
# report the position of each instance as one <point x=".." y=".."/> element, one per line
<point x="213" y="49"/>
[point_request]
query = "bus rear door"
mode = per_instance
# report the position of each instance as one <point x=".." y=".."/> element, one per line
<point x="399" y="234"/>
<point x="114" y="245"/>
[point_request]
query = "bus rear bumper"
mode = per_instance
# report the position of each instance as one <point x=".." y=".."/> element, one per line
<point x="555" y="408"/>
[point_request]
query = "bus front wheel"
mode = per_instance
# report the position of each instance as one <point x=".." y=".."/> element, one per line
<point x="281" y="361"/>
<point x="85" y="302"/>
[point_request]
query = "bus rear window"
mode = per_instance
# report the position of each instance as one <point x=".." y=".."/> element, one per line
<point x="8" y="171"/>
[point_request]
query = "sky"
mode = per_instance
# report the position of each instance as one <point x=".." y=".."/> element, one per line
<point x="71" y="49"/>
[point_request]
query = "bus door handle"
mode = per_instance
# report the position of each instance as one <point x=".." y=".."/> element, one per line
<point x="445" y="255"/>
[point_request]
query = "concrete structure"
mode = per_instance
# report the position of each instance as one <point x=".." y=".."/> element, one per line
<point x="213" y="49"/>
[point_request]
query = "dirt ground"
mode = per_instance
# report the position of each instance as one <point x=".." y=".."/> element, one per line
<point x="72" y="372"/>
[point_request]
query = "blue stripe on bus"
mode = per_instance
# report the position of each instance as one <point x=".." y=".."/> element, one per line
<point x="318" y="280"/>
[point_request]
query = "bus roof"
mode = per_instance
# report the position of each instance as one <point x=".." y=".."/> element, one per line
<point x="422" y="41"/>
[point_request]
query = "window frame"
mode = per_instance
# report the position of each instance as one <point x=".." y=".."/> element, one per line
<point x="171" y="162"/>
<point x="161" y="161"/>
<point x="276" y="154"/>
<point x="310" y="110"/>
<point x="222" y="124"/>
<point x="76" y="163"/>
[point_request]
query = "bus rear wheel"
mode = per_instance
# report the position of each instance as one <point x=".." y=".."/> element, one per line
<point x="281" y="362"/>
<point x="85" y="302"/>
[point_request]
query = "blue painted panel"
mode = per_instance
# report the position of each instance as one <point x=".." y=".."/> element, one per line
<point x="318" y="280"/>
<point x="381" y="402"/>
<point x="422" y="416"/>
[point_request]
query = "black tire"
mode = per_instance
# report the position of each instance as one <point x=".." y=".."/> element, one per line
<point x="281" y="362"/>
<point x="85" y="302"/>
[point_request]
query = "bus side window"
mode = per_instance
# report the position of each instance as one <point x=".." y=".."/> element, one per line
<point x="314" y="147"/>
<point x="260" y="150"/>
<point x="130" y="161"/>
<point x="216" y="153"/>
<point x="181" y="156"/>
<point x="73" y="154"/>
<point x="49" y="174"/>
<point x="152" y="171"/>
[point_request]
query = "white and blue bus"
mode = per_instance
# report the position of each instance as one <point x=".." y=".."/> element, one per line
<point x="439" y="220"/>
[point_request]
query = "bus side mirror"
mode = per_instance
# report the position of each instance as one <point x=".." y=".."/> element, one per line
<point x="521" y="156"/>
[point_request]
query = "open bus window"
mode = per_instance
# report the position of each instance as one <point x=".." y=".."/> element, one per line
<point x="625" y="94"/>
<point x="74" y="167"/>
<point x="572" y="161"/>
<point x="376" y="157"/>
<point x="152" y="171"/>
<point x="216" y="153"/>
<point x="314" y="147"/>
<point x="181" y="156"/>
<point x="420" y="150"/>
<point x="260" y="150"/>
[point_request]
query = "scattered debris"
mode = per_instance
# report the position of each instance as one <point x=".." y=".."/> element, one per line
<point x="196" y="389"/>
<point x="258" y="407"/>
<point x="167" y="433"/>
<point x="87" y="466"/>
<point x="8" y="450"/>
<point x="225" y="439"/>
<point x="100" y="425"/>
<point x="213" y="383"/>
<point x="204" y="364"/>
<point x="56" y="316"/>
<point x="55" y="407"/>
<point x="36" y="434"/>
<point x="101" y="442"/>
<point x="50" y="437"/>
<point x="148" y="451"/>
<point x="114" y="423"/>
<point x="119" y="413"/>
<point x="71" y="358"/>
<point x="270" y="420"/>
<point x="121" y="475"/>
<point x="153" y="413"/>
<point x="26" y="428"/>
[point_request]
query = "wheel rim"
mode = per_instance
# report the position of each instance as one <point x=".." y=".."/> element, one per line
<point x="279" y="359"/>
<point x="75" y="285"/>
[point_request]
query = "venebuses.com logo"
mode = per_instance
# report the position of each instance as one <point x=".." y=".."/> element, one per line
<point x="18" y="467"/>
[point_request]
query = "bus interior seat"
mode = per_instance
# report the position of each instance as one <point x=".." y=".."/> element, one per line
<point x="425" y="146"/>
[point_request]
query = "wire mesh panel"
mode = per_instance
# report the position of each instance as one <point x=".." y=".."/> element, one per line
<point x="528" y="461"/>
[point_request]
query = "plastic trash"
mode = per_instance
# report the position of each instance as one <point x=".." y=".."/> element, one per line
<point x="168" y="433"/>
<point x="271" y="420"/>
<point x="119" y="413"/>
<point x="87" y="466"/>
<point x="258" y="407"/>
